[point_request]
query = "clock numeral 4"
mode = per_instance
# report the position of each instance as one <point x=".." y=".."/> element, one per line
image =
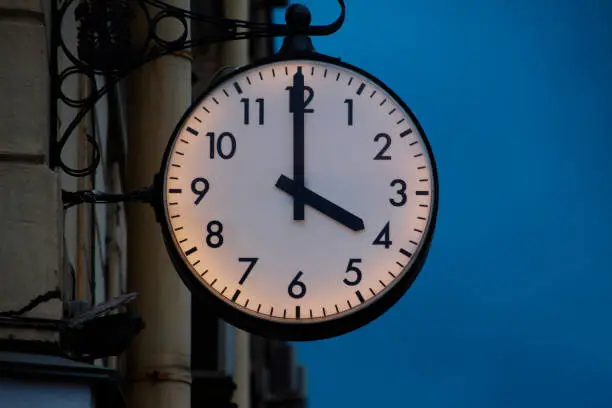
<point x="381" y="155"/>
<point x="384" y="237"/>
<point x="245" y="275"/>
<point x="401" y="192"/>
<point x="220" y="147"/>
<point x="246" y="102"/>
<point x="214" y="239"/>
<point x="297" y="289"/>
<point x="199" y="187"/>
<point x="352" y="268"/>
<point x="349" y="106"/>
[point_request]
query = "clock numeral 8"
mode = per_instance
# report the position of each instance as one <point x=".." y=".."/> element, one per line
<point x="297" y="289"/>
<point x="214" y="239"/>
<point x="352" y="268"/>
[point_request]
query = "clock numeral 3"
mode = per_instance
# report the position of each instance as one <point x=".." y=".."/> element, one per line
<point x="349" y="105"/>
<point x="219" y="146"/>
<point x="381" y="155"/>
<point x="401" y="192"/>
<point x="199" y="187"/>
<point x="352" y="268"/>
<point x="245" y="275"/>
<point x="246" y="102"/>
<point x="384" y="237"/>
<point x="214" y="239"/>
<point x="297" y="289"/>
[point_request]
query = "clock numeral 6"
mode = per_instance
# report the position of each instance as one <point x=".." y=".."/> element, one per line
<point x="297" y="289"/>
<point x="199" y="187"/>
<point x="401" y="191"/>
<point x="214" y="239"/>
<point x="352" y="268"/>
<point x="219" y="146"/>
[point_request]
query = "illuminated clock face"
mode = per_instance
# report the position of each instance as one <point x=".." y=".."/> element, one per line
<point x="300" y="197"/>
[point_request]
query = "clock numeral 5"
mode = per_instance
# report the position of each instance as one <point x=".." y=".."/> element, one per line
<point x="199" y="187"/>
<point x="401" y="192"/>
<point x="297" y="289"/>
<point x="214" y="239"/>
<point x="384" y="237"/>
<point x="352" y="268"/>
<point x="246" y="102"/>
<point x="219" y="146"/>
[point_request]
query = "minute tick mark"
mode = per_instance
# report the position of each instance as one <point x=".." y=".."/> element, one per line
<point x="215" y="100"/>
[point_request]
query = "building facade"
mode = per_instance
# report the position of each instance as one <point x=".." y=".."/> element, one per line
<point x="71" y="333"/>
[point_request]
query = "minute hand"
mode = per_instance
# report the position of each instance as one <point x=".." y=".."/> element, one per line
<point x="321" y="204"/>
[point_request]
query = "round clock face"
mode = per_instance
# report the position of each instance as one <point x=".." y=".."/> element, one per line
<point x="299" y="196"/>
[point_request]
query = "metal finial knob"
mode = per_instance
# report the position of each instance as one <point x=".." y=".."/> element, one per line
<point x="298" y="16"/>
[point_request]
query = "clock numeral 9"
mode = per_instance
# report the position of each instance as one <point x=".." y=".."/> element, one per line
<point x="297" y="289"/>
<point x="199" y="187"/>
<point x="218" y="147"/>
<point x="381" y="155"/>
<point x="401" y="192"/>
<point x="352" y="268"/>
<point x="384" y="237"/>
<point x="246" y="102"/>
<point x="214" y="239"/>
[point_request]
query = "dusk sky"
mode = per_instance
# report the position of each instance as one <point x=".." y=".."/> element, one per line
<point x="513" y="306"/>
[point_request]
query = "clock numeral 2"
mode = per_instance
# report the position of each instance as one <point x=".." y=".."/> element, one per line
<point x="401" y="192"/>
<point x="352" y="268"/>
<point x="199" y="187"/>
<point x="297" y="289"/>
<point x="381" y="155"/>
<point x="384" y="237"/>
<point x="246" y="102"/>
<point x="219" y="146"/>
<point x="349" y="106"/>
<point x="245" y="275"/>
<point x="214" y="239"/>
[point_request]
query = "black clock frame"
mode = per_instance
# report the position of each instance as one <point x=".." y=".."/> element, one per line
<point x="299" y="330"/>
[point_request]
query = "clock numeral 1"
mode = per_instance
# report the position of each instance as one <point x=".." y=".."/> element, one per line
<point x="352" y="268"/>
<point x="401" y="192"/>
<point x="297" y="289"/>
<point x="219" y="146"/>
<point x="381" y="155"/>
<point x="214" y="239"/>
<point x="245" y="275"/>
<point x="349" y="105"/>
<point x="384" y="237"/>
<point x="199" y="187"/>
<point x="246" y="102"/>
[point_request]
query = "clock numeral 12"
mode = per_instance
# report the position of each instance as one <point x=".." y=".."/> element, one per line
<point x="246" y="102"/>
<point x="309" y="98"/>
<point x="218" y="147"/>
<point x="297" y="289"/>
<point x="352" y="268"/>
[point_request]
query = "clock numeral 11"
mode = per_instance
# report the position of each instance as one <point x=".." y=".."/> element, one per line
<point x="246" y="102"/>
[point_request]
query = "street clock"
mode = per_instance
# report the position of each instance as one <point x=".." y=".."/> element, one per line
<point x="298" y="196"/>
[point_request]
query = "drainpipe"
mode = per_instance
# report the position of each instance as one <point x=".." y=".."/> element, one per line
<point x="159" y="359"/>
<point x="236" y="54"/>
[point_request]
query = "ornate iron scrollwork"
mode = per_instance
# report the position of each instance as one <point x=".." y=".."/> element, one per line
<point x="105" y="46"/>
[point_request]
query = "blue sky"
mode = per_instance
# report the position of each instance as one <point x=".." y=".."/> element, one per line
<point x="513" y="307"/>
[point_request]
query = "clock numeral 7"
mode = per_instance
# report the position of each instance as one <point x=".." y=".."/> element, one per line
<point x="246" y="102"/>
<point x="352" y="268"/>
<point x="245" y="275"/>
<point x="297" y="289"/>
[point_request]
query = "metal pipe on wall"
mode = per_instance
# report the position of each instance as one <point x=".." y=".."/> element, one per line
<point x="236" y="54"/>
<point x="159" y="361"/>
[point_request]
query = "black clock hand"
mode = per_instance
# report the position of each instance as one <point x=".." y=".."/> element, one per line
<point x="296" y="102"/>
<point x="321" y="204"/>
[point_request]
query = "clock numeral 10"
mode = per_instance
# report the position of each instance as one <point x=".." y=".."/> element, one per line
<point x="214" y="239"/>
<point x="219" y="146"/>
<point x="246" y="102"/>
<point x="352" y="268"/>
<point x="297" y="289"/>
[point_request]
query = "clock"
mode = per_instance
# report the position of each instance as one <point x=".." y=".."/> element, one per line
<point x="299" y="197"/>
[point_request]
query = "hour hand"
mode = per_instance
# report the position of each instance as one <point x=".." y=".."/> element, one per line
<point x="321" y="204"/>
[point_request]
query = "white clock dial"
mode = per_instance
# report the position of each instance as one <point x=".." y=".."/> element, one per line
<point x="233" y="207"/>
